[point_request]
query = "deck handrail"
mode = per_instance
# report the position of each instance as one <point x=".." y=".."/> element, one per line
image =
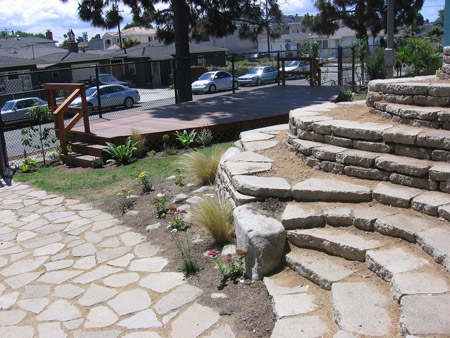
<point x="78" y="89"/>
<point x="314" y="72"/>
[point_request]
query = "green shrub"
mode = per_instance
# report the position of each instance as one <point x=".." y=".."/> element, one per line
<point x="375" y="65"/>
<point x="344" y="96"/>
<point x="216" y="217"/>
<point x="204" y="137"/>
<point x="202" y="164"/>
<point x="185" y="138"/>
<point x="97" y="163"/>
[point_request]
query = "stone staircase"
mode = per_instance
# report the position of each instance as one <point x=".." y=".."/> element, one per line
<point x="364" y="222"/>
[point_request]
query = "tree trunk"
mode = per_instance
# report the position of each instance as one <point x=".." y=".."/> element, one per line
<point x="183" y="64"/>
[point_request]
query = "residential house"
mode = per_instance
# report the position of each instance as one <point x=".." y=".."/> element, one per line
<point x="141" y="34"/>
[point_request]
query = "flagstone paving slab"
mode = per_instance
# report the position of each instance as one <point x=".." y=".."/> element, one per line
<point x="69" y="270"/>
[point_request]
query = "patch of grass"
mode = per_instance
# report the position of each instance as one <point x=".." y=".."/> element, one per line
<point x="202" y="164"/>
<point x="216" y="217"/>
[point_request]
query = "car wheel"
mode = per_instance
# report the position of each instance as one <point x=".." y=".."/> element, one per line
<point x="212" y="88"/>
<point x="276" y="79"/>
<point x="128" y="102"/>
<point x="258" y="82"/>
<point x="235" y="85"/>
<point x="90" y="108"/>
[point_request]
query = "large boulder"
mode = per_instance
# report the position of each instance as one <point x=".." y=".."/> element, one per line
<point x="262" y="238"/>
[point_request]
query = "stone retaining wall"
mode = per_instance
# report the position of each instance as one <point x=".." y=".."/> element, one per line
<point x="417" y="91"/>
<point x="445" y="70"/>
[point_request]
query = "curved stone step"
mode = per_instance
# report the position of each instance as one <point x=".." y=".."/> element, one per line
<point x="320" y="268"/>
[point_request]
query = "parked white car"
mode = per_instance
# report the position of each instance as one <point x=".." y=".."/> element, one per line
<point x="211" y="82"/>
<point x="15" y="110"/>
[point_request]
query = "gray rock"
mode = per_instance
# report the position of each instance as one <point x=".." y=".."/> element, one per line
<point x="293" y="304"/>
<point x="332" y="167"/>
<point x="96" y="294"/>
<point x="194" y="321"/>
<point x="296" y="216"/>
<point x="60" y="310"/>
<point x="263" y="240"/>
<point x="403" y="165"/>
<point x="305" y="147"/>
<point x="327" y="152"/>
<point x="284" y="283"/>
<point x="395" y="195"/>
<point x="367" y="173"/>
<point x="435" y="242"/>
<point x="403" y="226"/>
<point x="357" y="157"/>
<point x="439" y="139"/>
<point x="338" y="216"/>
<point x="311" y="326"/>
<point x="180" y="198"/>
<point x="412" y="88"/>
<point x="412" y="151"/>
<point x="336" y="241"/>
<point x="152" y="226"/>
<point x="387" y="262"/>
<point x="440" y="172"/>
<point x="246" y="168"/>
<point x="180" y="296"/>
<point x="315" y="189"/>
<point x="259" y="145"/>
<point x="361" y="308"/>
<point x="440" y="155"/>
<point x="429" y="201"/>
<point x="318" y="267"/>
<point x="415" y="182"/>
<point x="305" y="122"/>
<point x="338" y="141"/>
<point x="254" y="136"/>
<point x="413" y="283"/>
<point x="100" y="316"/>
<point x="425" y="315"/>
<point x="162" y="282"/>
<point x="262" y="186"/>
<point x="444" y="212"/>
<point x="403" y="135"/>
<point x="249" y="156"/>
<point x="130" y="301"/>
<point x="373" y="146"/>
<point x="364" y="218"/>
<point x="142" y="320"/>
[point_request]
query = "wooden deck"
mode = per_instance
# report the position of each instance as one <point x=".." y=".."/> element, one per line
<point x="243" y="110"/>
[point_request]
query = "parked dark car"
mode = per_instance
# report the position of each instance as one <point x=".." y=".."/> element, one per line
<point x="105" y="79"/>
<point x="15" y="110"/>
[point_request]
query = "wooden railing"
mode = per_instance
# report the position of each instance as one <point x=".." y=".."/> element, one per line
<point x="314" y="73"/>
<point x="58" y="111"/>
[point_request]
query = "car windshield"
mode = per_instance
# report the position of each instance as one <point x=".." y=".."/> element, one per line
<point x="255" y="71"/>
<point x="91" y="91"/>
<point x="292" y="63"/>
<point x="8" y="105"/>
<point x="206" y="76"/>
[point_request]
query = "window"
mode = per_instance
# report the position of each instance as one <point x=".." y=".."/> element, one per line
<point x="132" y="69"/>
<point x="201" y="60"/>
<point x="303" y="30"/>
<point x="287" y="28"/>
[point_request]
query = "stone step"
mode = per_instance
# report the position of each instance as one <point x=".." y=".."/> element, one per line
<point x="399" y="169"/>
<point x="384" y="137"/>
<point x="364" y="307"/>
<point x="347" y="243"/>
<point x="299" y="305"/>
<point x="320" y="268"/>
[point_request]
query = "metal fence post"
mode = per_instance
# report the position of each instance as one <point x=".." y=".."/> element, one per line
<point x="174" y="79"/>
<point x="97" y="82"/>
<point x="278" y="67"/>
<point x="353" y="68"/>
<point x="5" y="170"/>
<point x="232" y="73"/>
<point x="340" y="65"/>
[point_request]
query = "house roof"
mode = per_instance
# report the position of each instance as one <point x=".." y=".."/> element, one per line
<point x="159" y="51"/>
<point x="138" y="30"/>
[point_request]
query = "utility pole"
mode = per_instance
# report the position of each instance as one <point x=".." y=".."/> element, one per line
<point x="268" y="30"/>
<point x="389" y="52"/>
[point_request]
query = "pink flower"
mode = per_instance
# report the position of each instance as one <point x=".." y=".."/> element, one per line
<point x="229" y="259"/>
<point x="212" y="253"/>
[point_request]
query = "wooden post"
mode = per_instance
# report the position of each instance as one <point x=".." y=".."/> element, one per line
<point x="85" y="109"/>
<point x="311" y="72"/>
<point x="282" y="72"/>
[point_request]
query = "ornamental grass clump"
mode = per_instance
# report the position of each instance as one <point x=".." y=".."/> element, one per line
<point x="139" y="141"/>
<point x="203" y="164"/>
<point x="215" y="215"/>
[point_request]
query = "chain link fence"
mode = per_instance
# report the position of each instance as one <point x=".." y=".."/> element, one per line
<point x="151" y="84"/>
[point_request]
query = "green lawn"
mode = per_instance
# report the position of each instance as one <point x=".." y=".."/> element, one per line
<point x="97" y="185"/>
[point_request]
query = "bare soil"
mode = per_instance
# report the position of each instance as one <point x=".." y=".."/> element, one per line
<point x="247" y="302"/>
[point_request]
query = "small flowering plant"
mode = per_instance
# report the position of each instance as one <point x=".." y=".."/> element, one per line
<point x="124" y="198"/>
<point x="178" y="180"/>
<point x="233" y="269"/>
<point x="178" y="223"/>
<point x="144" y="182"/>
<point x="160" y="202"/>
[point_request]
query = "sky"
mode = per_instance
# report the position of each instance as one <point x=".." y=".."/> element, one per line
<point x="37" y="16"/>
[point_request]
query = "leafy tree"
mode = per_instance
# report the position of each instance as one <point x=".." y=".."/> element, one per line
<point x="312" y="49"/>
<point x="420" y="54"/>
<point x="12" y="34"/>
<point x="95" y="37"/>
<point x="135" y="24"/>
<point x="181" y="20"/>
<point x="440" y="19"/>
<point x="130" y="43"/>
<point x="435" y="34"/>
<point x="362" y="16"/>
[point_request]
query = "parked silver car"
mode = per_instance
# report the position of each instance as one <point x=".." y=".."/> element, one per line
<point x="259" y="75"/>
<point x="295" y="66"/>
<point x="106" y="79"/>
<point x="110" y="96"/>
<point x="15" y="110"/>
<point x="210" y="82"/>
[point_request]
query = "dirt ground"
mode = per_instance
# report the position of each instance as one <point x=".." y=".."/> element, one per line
<point x="247" y="302"/>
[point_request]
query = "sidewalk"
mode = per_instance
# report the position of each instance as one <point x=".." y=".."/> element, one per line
<point x="69" y="270"/>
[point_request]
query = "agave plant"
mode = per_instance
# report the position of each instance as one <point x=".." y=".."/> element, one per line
<point x="122" y="154"/>
<point x="185" y="138"/>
